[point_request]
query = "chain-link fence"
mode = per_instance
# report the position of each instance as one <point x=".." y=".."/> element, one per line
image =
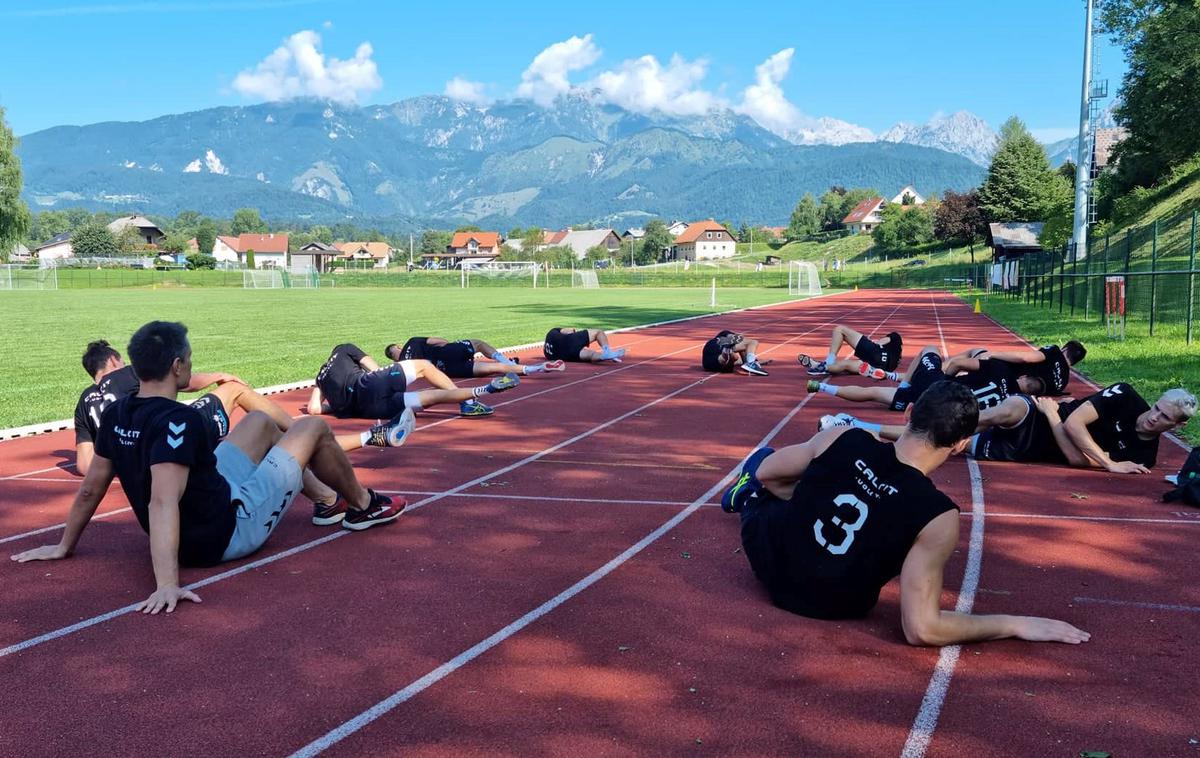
<point x="1157" y="264"/>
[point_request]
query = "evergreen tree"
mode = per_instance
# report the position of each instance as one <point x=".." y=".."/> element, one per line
<point x="15" y="219"/>
<point x="1020" y="185"/>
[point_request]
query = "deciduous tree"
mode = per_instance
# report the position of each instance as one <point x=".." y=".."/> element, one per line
<point x="14" y="214"/>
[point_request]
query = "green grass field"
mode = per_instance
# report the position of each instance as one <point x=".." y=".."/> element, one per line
<point x="275" y="336"/>
<point x="1151" y="364"/>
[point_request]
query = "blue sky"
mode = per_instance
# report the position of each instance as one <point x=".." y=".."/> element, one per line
<point x="868" y="63"/>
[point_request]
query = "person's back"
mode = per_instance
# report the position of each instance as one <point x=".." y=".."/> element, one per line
<point x="845" y="532"/>
<point x="139" y="432"/>
<point x="338" y="376"/>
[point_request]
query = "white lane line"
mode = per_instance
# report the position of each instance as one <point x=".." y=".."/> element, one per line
<point x="63" y="467"/>
<point x="341" y="732"/>
<point x="1139" y="604"/>
<point x="939" y="682"/>
<point x="55" y="527"/>
<point x="1120" y="519"/>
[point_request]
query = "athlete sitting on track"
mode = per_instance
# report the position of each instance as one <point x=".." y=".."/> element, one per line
<point x="564" y="343"/>
<point x="113" y="380"/>
<point x="729" y="351"/>
<point x="202" y="502"/>
<point x="991" y="382"/>
<point x="883" y="355"/>
<point x="1051" y="363"/>
<point x="1113" y="429"/>
<point x="457" y="359"/>
<point x="351" y="384"/>
<point x="827" y="523"/>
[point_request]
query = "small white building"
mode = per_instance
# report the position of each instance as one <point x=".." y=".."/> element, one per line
<point x="864" y="217"/>
<point x="704" y="240"/>
<point x="58" y="246"/>
<point x="677" y="228"/>
<point x="909" y="191"/>
<point x="580" y="241"/>
<point x="148" y="231"/>
<point x="270" y="250"/>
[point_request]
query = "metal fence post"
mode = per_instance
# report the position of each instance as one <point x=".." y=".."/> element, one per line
<point x="1062" y="278"/>
<point x="1191" y="289"/>
<point x="1087" y="287"/>
<point x="1153" y="275"/>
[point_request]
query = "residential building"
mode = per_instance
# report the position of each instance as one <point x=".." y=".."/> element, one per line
<point x="58" y="246"/>
<point x="377" y="253"/>
<point x="582" y="240"/>
<point x="633" y="234"/>
<point x="147" y="230"/>
<point x="704" y="240"/>
<point x="864" y="217"/>
<point x="914" y="197"/>
<point x="476" y="247"/>
<point x="18" y="253"/>
<point x="677" y="228"/>
<point x="270" y="250"/>
<point x="1106" y="140"/>
<point x="317" y="256"/>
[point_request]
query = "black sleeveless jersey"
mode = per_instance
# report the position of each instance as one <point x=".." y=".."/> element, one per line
<point x="856" y="512"/>
<point x="992" y="383"/>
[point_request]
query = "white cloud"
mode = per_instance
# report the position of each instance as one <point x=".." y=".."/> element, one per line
<point x="764" y="100"/>
<point x="298" y="68"/>
<point x="327" y="25"/>
<point x="546" y="77"/>
<point x="466" y="91"/>
<point x="643" y="84"/>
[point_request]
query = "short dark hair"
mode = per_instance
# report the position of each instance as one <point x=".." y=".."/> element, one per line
<point x="945" y="414"/>
<point x="155" y="346"/>
<point x="1039" y="384"/>
<point x="1074" y="352"/>
<point x="392" y="352"/>
<point x="96" y="355"/>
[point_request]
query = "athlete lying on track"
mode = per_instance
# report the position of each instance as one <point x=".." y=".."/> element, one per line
<point x="202" y="502"/>
<point x="458" y="359"/>
<point x="729" y="351"/>
<point x="883" y="355"/>
<point x="827" y="523"/>
<point x="1051" y="363"/>
<point x="564" y="343"/>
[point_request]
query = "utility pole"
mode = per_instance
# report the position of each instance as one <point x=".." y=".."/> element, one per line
<point x="1083" y="157"/>
<point x="410" y="249"/>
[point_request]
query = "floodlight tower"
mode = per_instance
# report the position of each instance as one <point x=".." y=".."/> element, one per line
<point x="1093" y="91"/>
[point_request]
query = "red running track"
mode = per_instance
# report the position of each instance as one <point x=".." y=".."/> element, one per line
<point x="565" y="586"/>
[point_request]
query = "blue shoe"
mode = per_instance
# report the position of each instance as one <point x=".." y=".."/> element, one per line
<point x="501" y="383"/>
<point x="747" y="484"/>
<point x="395" y="432"/>
<point x="472" y="408"/>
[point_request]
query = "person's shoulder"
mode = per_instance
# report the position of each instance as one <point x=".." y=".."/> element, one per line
<point x="89" y="395"/>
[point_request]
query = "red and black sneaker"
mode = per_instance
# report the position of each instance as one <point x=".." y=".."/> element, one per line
<point x="328" y="514"/>
<point x="381" y="510"/>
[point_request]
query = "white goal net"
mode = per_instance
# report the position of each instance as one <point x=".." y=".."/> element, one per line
<point x="17" y="277"/>
<point x="262" y="279"/>
<point x="803" y="279"/>
<point x="508" y="272"/>
<point x="585" y="278"/>
<point x="302" y="277"/>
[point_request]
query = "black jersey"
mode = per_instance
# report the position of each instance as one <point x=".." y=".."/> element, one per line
<point x="338" y="376"/>
<point x="139" y="432"/>
<point x="845" y="533"/>
<point x="414" y="349"/>
<point x="712" y="351"/>
<point x="112" y="387"/>
<point x="991" y="383"/>
<point x="1054" y="370"/>
<point x="1119" y="406"/>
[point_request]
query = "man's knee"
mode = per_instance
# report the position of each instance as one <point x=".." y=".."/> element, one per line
<point x="261" y="426"/>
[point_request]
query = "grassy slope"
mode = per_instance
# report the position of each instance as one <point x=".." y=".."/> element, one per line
<point x="1151" y="364"/>
<point x="274" y="336"/>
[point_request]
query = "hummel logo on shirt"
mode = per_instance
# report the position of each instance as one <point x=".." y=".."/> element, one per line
<point x="175" y="429"/>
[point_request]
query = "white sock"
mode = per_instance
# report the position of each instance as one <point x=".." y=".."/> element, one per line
<point x="892" y="376"/>
<point x="479" y="391"/>
<point x="363" y="438"/>
<point x="533" y="369"/>
<point x="499" y="356"/>
<point x="831" y="357"/>
<point x="829" y="389"/>
<point x="874" y="428"/>
<point x="751" y="358"/>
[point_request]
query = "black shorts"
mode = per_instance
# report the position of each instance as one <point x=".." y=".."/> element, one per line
<point x="1030" y="441"/>
<point x="379" y="394"/>
<point x="456" y="359"/>
<point x="214" y="414"/>
<point x="565" y="347"/>
<point x="928" y="371"/>
<point x="886" y="357"/>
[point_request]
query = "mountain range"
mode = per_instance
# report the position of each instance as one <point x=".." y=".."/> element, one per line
<point x="434" y="161"/>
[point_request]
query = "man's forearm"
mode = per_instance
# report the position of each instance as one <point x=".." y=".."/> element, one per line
<point x="952" y="628"/>
<point x="1086" y="445"/>
<point x="164" y="543"/>
<point x="82" y="509"/>
<point x="1068" y="448"/>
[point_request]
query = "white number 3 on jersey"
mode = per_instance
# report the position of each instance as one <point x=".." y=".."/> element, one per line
<point x="848" y="529"/>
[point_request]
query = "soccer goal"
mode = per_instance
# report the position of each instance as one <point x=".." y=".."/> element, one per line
<point x="514" y="273"/>
<point x="262" y="279"/>
<point x="302" y="277"/>
<point x="585" y="278"/>
<point x="803" y="279"/>
<point x="18" y="277"/>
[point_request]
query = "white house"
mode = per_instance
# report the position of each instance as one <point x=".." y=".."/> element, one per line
<point x="582" y="240"/>
<point x="148" y="231"/>
<point x="914" y="197"/>
<point x="864" y="217"/>
<point x="58" y="246"/>
<point x="270" y="250"/>
<point x="677" y="228"/>
<point x="378" y="253"/>
<point x="704" y="240"/>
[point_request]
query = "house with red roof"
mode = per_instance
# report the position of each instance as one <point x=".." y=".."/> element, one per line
<point x="864" y="217"/>
<point x="471" y="246"/>
<point x="270" y="250"/>
<point x="704" y="240"/>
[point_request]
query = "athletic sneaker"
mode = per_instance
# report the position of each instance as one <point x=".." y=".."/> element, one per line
<point x="867" y="370"/>
<point x="554" y="366"/>
<point x="838" y="419"/>
<point x="472" y="408"/>
<point x="608" y="354"/>
<point x="501" y="383"/>
<point x="329" y="514"/>
<point x="813" y="385"/>
<point x="394" y="433"/>
<point x="381" y="510"/>
<point x="734" y="498"/>
<point x="815" y="368"/>
<point x="753" y="369"/>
